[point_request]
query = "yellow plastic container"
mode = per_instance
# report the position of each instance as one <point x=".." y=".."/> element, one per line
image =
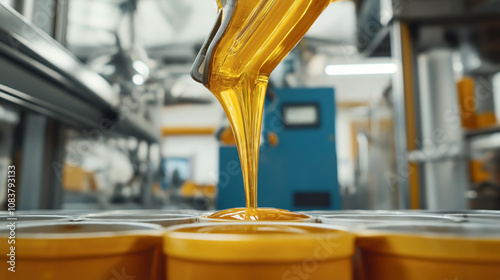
<point x="258" y="250"/>
<point x="466" y="251"/>
<point x="80" y="251"/>
<point x="164" y="218"/>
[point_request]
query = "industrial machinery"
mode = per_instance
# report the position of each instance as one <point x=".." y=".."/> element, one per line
<point x="436" y="45"/>
<point x="45" y="93"/>
<point x="298" y="161"/>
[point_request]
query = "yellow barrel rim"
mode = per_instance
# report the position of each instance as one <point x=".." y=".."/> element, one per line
<point x="125" y="238"/>
<point x="465" y="246"/>
<point x="258" y="242"/>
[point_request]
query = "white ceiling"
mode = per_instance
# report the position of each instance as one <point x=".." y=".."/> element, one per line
<point x="178" y="26"/>
<point x="161" y="23"/>
<point x="336" y="24"/>
<point x="186" y="22"/>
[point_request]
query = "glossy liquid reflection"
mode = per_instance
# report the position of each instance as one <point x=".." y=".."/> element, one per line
<point x="258" y="214"/>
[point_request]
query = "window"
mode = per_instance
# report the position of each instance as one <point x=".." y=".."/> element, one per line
<point x="301" y="115"/>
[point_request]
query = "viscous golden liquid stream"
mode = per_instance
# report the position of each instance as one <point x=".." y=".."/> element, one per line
<point x="243" y="104"/>
<point x="260" y="34"/>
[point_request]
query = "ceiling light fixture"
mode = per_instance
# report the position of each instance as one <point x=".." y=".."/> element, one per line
<point x="138" y="80"/>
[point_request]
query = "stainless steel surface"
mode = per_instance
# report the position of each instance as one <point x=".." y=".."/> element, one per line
<point x="484" y="101"/>
<point x="6" y="143"/>
<point x="449" y="19"/>
<point x="444" y="10"/>
<point x="472" y="133"/>
<point x="456" y="230"/>
<point x="147" y="184"/>
<point x="429" y="9"/>
<point x="9" y="115"/>
<point x="444" y="153"/>
<point x="398" y="94"/>
<point x="485" y="142"/>
<point x="479" y="218"/>
<point x="65" y="212"/>
<point x="30" y="173"/>
<point x="319" y="213"/>
<point x="445" y="180"/>
<point x="39" y="74"/>
<point x="26" y="219"/>
<point x="393" y="217"/>
<point x="185" y="211"/>
<point x="451" y="212"/>
<point x="375" y="18"/>
<point x="159" y="211"/>
<point x="39" y="165"/>
<point x="27" y="39"/>
<point x="23" y="87"/>
<point x="154" y="217"/>
<point x="363" y="221"/>
<point x="52" y="168"/>
<point x="61" y="22"/>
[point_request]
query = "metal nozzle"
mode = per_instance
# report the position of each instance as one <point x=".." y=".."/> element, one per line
<point x="201" y="66"/>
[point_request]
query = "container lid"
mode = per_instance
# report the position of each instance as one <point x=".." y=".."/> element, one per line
<point x="20" y="218"/>
<point x="318" y="213"/>
<point x="257" y="242"/>
<point x="468" y="241"/>
<point x="478" y="218"/>
<point x="356" y="222"/>
<point x="65" y="212"/>
<point x="143" y="217"/>
<point x="378" y="218"/>
<point x="153" y="211"/>
<point x="71" y="239"/>
<point x="450" y="212"/>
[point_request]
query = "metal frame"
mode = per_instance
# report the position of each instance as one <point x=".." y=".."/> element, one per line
<point x="406" y="14"/>
<point x="398" y="95"/>
<point x="41" y="75"/>
<point x="33" y="153"/>
<point x="53" y="89"/>
<point x="61" y="22"/>
<point x="24" y="40"/>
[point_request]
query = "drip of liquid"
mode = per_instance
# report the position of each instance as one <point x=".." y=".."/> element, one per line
<point x="260" y="34"/>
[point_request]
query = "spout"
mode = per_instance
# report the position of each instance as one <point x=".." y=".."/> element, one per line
<point x="201" y="65"/>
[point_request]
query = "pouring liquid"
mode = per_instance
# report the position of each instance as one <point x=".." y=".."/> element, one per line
<point x="260" y="34"/>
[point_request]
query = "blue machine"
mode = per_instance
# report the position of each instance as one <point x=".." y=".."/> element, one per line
<point x="300" y="171"/>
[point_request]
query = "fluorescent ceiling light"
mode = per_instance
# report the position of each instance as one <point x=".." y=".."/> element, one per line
<point x="141" y="68"/>
<point x="138" y="80"/>
<point x="361" y="69"/>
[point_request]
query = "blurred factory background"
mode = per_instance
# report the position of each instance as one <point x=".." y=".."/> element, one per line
<point x="385" y="104"/>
